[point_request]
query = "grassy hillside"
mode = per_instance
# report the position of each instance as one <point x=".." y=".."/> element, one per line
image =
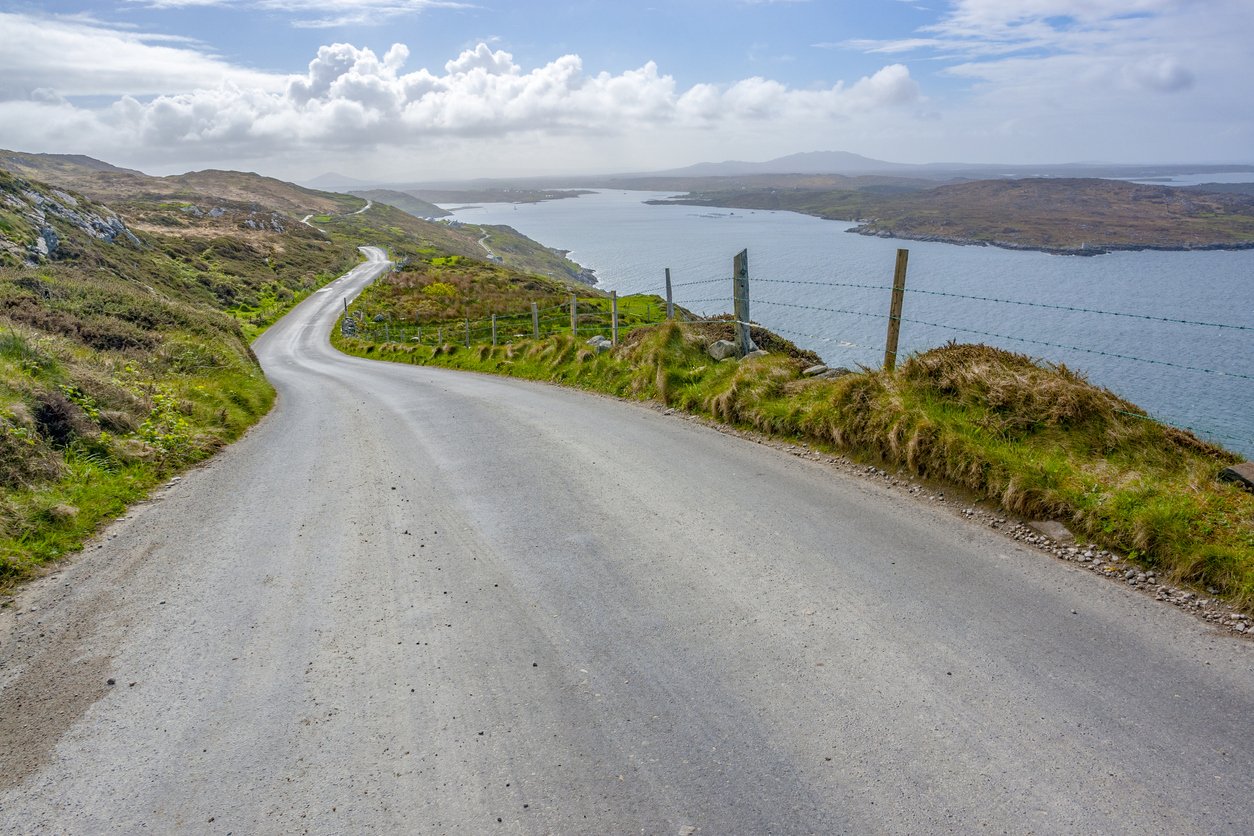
<point x="107" y="386"/>
<point x="124" y="346"/>
<point x="404" y="201"/>
<point x="411" y="239"/>
<point x="120" y="186"/>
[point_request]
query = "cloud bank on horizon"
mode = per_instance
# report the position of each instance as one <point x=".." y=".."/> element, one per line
<point x="980" y="80"/>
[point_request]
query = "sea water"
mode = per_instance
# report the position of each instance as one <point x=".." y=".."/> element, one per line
<point x="828" y="290"/>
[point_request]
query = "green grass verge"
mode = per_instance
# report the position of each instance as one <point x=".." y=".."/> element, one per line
<point x="107" y="387"/>
<point x="1037" y="440"/>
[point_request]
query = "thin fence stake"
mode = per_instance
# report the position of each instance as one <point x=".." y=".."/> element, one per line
<point x="574" y="316"/>
<point x="494" y="329"/>
<point x="440" y="335"/>
<point x="740" y="293"/>
<point x="614" y="317"/>
<point x="894" y="310"/>
<point x="535" y="321"/>
<point x="670" y="302"/>
<point x="467" y="332"/>
<point x="418" y="337"/>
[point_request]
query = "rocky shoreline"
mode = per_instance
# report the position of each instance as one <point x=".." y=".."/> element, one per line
<point x="1097" y="249"/>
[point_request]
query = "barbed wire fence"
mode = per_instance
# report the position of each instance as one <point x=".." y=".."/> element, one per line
<point x="693" y="301"/>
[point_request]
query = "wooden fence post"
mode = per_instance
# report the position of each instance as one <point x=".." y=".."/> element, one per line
<point x="614" y="317"/>
<point x="467" y="332"/>
<point x="535" y="321"/>
<point x="493" y="329"/>
<point x="894" y="310"/>
<point x="670" y="302"/>
<point x="439" y="335"/>
<point x="574" y="316"/>
<point x="740" y="295"/>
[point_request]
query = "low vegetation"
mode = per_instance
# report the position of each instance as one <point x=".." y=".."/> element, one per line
<point x="106" y="388"/>
<point x="1036" y="440"/>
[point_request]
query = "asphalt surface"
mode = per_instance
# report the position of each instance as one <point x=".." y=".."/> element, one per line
<point x="420" y="601"/>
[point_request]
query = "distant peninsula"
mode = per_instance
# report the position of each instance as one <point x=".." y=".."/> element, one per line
<point x="493" y="195"/>
<point x="1071" y="216"/>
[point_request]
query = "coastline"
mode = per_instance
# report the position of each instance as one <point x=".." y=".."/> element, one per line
<point x="1149" y="234"/>
<point x="1098" y="249"/>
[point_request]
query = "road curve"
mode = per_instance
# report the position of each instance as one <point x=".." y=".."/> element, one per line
<point x="419" y="601"/>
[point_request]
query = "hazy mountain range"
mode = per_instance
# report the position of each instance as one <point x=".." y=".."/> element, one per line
<point x="841" y="163"/>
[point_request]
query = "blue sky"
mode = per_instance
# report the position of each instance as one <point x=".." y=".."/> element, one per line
<point x="428" y="88"/>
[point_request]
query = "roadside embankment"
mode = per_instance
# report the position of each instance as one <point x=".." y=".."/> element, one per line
<point x="106" y="388"/>
<point x="1037" y="441"/>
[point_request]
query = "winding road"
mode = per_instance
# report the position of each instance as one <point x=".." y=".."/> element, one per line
<point x="420" y="601"/>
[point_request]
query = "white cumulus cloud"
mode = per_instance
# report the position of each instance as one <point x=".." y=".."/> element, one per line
<point x="350" y="98"/>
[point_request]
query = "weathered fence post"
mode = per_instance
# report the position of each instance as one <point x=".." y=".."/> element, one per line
<point x="894" y="310"/>
<point x="418" y="336"/>
<point x="467" y="332"/>
<point x="574" y="316"/>
<point x="387" y="332"/>
<point x="439" y="335"/>
<point x="740" y="295"/>
<point x="535" y="321"/>
<point x="614" y="317"/>
<point x="345" y="304"/>
<point x="493" y="329"/>
<point x="670" y="302"/>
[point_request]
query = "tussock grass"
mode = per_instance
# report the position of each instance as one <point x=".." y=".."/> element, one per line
<point x="1038" y="440"/>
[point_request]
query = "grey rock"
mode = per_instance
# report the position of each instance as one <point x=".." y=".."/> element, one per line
<point x="48" y="241"/>
<point x="758" y="352"/>
<point x="722" y="349"/>
<point x="814" y="370"/>
<point x="1240" y="474"/>
<point x="1054" y="530"/>
<point x="832" y="374"/>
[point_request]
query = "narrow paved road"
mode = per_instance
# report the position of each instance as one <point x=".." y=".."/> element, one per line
<point x="418" y="601"/>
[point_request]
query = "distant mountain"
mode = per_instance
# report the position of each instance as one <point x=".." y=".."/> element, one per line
<point x="335" y="182"/>
<point x="854" y="165"/>
<point x="811" y="162"/>
<point x="415" y="206"/>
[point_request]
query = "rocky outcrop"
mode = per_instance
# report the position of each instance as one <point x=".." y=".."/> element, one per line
<point x="50" y="216"/>
<point x="1239" y="474"/>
